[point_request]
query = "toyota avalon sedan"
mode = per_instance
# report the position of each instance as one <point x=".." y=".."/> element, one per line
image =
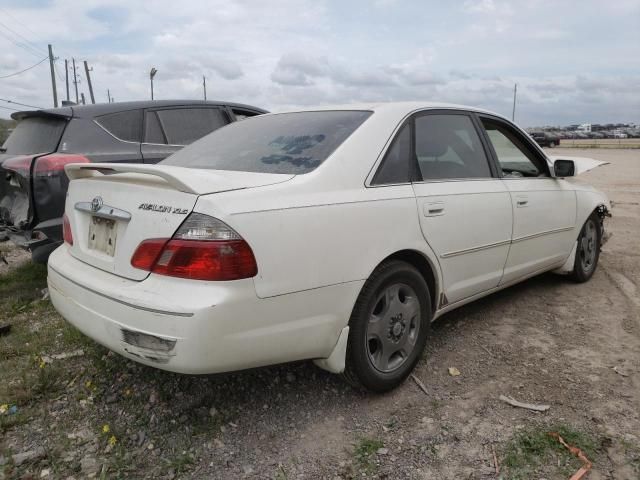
<point x="335" y="234"/>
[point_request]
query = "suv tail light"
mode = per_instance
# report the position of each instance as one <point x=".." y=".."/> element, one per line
<point x="45" y="165"/>
<point x="203" y="248"/>
<point x="66" y="230"/>
<point x="50" y="164"/>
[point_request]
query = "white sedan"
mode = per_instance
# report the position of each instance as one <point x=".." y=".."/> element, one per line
<point x="336" y="234"/>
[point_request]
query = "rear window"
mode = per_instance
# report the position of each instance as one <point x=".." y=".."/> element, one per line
<point x="288" y="143"/>
<point x="123" y="125"/>
<point x="35" y="135"/>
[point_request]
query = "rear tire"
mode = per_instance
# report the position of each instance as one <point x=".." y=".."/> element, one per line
<point x="389" y="327"/>
<point x="587" y="250"/>
<point x="552" y="144"/>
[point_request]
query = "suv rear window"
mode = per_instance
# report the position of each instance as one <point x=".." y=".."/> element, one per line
<point x="288" y="143"/>
<point x="123" y="125"/>
<point x="35" y="135"/>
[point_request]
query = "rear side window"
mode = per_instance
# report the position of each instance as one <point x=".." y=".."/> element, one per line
<point x="289" y="143"/>
<point x="152" y="129"/>
<point x="395" y="165"/>
<point x="448" y="146"/>
<point x="183" y="126"/>
<point x="123" y="125"/>
<point x="35" y="135"/>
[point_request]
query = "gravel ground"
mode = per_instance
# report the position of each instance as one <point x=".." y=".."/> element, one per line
<point x="575" y="347"/>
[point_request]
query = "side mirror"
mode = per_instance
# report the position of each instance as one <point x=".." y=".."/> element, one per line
<point x="564" y="168"/>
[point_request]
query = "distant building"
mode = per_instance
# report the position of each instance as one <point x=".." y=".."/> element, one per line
<point x="585" y="127"/>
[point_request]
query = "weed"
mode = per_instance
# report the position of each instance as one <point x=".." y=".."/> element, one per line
<point x="365" y="453"/>
<point x="532" y="448"/>
<point x="181" y="462"/>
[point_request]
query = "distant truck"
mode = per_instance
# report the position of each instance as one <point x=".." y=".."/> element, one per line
<point x="33" y="184"/>
<point x="545" y="139"/>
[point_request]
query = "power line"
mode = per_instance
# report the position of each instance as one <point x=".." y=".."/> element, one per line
<point x="9" y="108"/>
<point x="35" y="34"/>
<point x="28" y="68"/>
<point x="22" y="45"/>
<point x="26" y="27"/>
<point x="29" y="43"/>
<point x="18" y="103"/>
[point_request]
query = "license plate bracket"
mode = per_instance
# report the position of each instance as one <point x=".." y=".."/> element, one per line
<point x="102" y="235"/>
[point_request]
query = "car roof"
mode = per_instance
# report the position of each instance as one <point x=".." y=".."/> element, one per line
<point x="395" y="108"/>
<point x="95" y="110"/>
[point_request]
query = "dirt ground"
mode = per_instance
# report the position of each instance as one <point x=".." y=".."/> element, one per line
<point x="575" y="347"/>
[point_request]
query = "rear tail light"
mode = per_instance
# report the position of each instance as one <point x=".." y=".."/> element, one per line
<point x="20" y="165"/>
<point x="51" y="164"/>
<point x="44" y="166"/>
<point x="66" y="230"/>
<point x="203" y="248"/>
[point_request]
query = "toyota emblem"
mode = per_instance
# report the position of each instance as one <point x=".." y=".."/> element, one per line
<point x="96" y="204"/>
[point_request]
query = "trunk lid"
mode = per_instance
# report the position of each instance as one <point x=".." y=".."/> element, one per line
<point x="113" y="208"/>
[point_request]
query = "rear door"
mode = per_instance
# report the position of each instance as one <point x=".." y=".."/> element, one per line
<point x="464" y="210"/>
<point x="544" y="208"/>
<point x="167" y="130"/>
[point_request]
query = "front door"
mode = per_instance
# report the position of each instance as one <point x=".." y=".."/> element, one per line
<point x="464" y="209"/>
<point x="544" y="208"/>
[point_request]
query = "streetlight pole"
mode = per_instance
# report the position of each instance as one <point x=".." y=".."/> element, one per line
<point x="152" y="74"/>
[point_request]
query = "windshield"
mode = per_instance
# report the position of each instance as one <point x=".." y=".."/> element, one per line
<point x="35" y="135"/>
<point x="288" y="143"/>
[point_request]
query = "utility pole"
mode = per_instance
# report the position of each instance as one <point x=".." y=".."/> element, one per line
<point x="82" y="96"/>
<point x="87" y="70"/>
<point x="204" y="86"/>
<point x="66" y="76"/>
<point x="513" y="113"/>
<point x="53" y="78"/>
<point x="108" y="96"/>
<point x="75" y="78"/>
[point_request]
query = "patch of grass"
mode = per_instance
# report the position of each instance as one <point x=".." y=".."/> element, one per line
<point x="365" y="453"/>
<point x="533" y="448"/>
<point x="11" y="421"/>
<point x="180" y="463"/>
<point x="25" y="282"/>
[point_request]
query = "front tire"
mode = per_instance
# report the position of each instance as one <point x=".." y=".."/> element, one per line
<point x="552" y="144"/>
<point x="388" y="327"/>
<point x="587" y="250"/>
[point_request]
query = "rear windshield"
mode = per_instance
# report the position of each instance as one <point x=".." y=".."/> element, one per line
<point x="35" y="135"/>
<point x="289" y="143"/>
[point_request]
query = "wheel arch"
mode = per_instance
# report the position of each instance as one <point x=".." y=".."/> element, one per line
<point x="426" y="268"/>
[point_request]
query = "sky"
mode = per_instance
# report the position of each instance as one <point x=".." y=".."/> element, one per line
<point x="573" y="61"/>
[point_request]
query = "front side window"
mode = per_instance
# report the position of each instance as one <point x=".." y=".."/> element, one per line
<point x="514" y="158"/>
<point x="289" y="143"/>
<point x="447" y="146"/>
<point x="183" y="126"/>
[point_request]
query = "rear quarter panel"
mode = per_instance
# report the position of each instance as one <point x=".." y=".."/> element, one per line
<point x="303" y="240"/>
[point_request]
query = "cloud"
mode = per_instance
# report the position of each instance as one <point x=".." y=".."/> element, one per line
<point x="287" y="53"/>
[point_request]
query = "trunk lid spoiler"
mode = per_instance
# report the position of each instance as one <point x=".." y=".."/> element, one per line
<point x="187" y="180"/>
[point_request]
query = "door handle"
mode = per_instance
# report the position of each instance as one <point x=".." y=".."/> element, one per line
<point x="433" y="209"/>
<point x="522" y="201"/>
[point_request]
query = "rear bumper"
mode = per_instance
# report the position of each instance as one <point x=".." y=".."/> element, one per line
<point x="197" y="327"/>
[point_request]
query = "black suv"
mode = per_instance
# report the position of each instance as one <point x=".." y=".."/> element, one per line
<point x="33" y="184"/>
<point x="545" y="139"/>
